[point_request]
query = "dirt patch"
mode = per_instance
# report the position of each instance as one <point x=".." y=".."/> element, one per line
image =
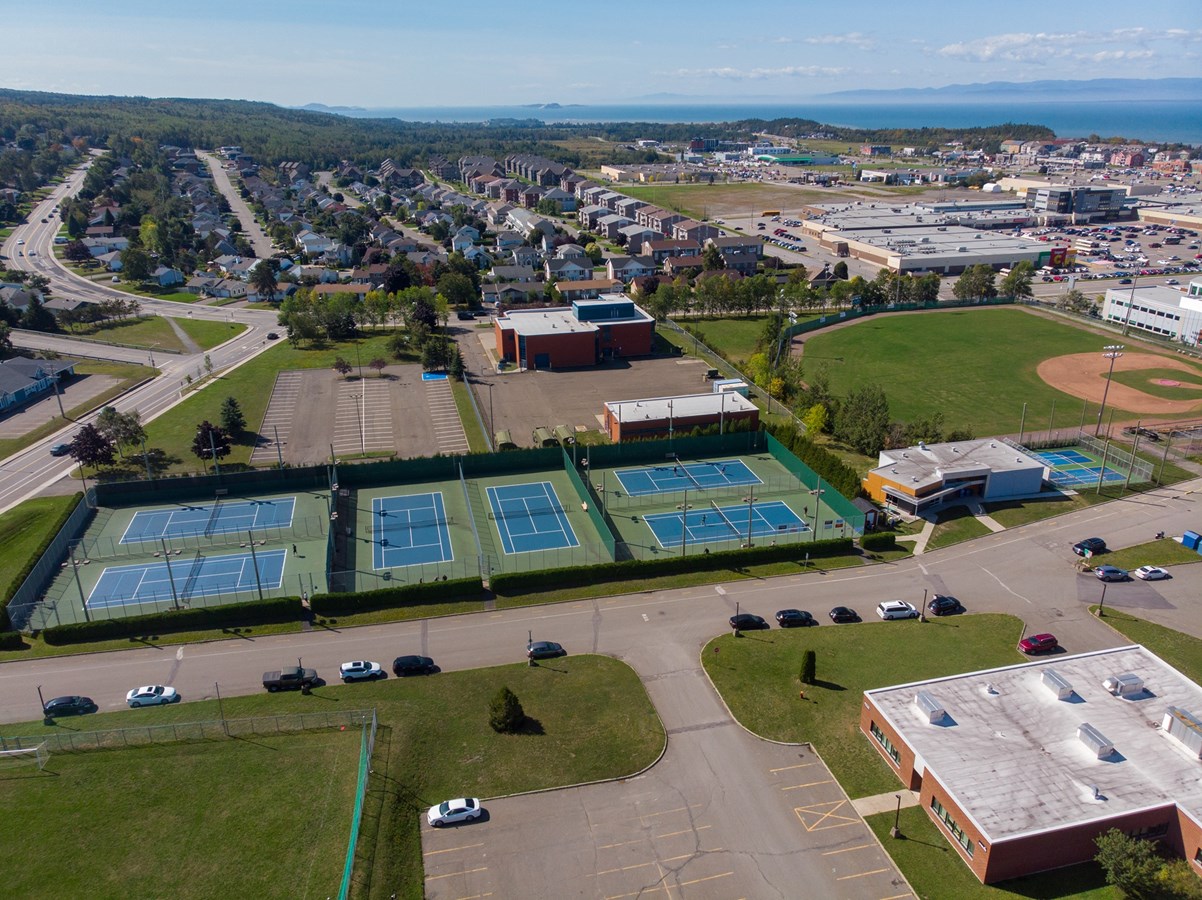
<point x="1084" y="375"/>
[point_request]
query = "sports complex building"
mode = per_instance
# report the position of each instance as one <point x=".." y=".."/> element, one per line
<point x="130" y="548"/>
<point x="1022" y="767"/>
<point x="583" y="335"/>
<point x="1163" y="311"/>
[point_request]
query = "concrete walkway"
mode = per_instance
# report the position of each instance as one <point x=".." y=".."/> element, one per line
<point x="985" y="519"/>
<point x="920" y="542"/>
<point x="880" y="803"/>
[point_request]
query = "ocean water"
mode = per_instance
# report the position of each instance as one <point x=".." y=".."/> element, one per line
<point x="1156" y="120"/>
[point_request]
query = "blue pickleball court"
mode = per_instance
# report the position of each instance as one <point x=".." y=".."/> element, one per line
<point x="708" y="524"/>
<point x="218" y="517"/>
<point x="530" y="517"/>
<point x="409" y="531"/>
<point x="685" y="476"/>
<point x="200" y="576"/>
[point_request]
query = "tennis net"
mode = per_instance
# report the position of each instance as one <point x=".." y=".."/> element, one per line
<point x="683" y="468"/>
<point x="528" y="513"/>
<point x="729" y="524"/>
<point x="213" y="517"/>
<point x="193" y="574"/>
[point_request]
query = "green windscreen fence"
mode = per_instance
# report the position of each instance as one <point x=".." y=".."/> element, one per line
<point x="366" y="746"/>
<point x="827" y="495"/>
<point x="592" y="502"/>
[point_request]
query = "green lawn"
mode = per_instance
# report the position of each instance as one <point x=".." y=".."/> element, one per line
<point x="976" y="366"/>
<point x="590" y="719"/>
<point x="757" y="676"/>
<point x="157" y="293"/>
<point x="1181" y="651"/>
<point x="268" y="816"/>
<point x="251" y="385"/>
<point x="1013" y="513"/>
<point x="1142" y="379"/>
<point x="472" y="428"/>
<point x="208" y="334"/>
<point x="936" y="871"/>
<point x="953" y="526"/>
<point x="22" y="530"/>
<point x="1154" y="553"/>
<point x="710" y="201"/>
<point x="737" y="337"/>
<point x="143" y="331"/>
<point x="127" y="376"/>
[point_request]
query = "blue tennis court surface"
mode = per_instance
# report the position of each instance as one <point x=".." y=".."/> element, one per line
<point x="409" y="530"/>
<point x="530" y="517"/>
<point x="1070" y="468"/>
<point x="196" y="577"/>
<point x="682" y="476"/>
<point x="219" y="517"/>
<point x="706" y="524"/>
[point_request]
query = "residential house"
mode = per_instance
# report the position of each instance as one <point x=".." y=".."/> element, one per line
<point x="164" y="276"/>
<point x="314" y="244"/>
<point x="589" y="215"/>
<point x="506" y="240"/>
<point x="23" y="380"/>
<point x="634" y="236"/>
<point x="283" y="290"/>
<point x="629" y="207"/>
<point x="358" y="291"/>
<point x="660" y="250"/>
<point x="569" y="269"/>
<point x="530" y="196"/>
<point x="523" y="274"/>
<point x="477" y="255"/>
<point x="691" y="230"/>
<point x="561" y="198"/>
<point x="610" y="226"/>
<point x="570" y="251"/>
<point x="589" y="289"/>
<point x="372" y="275"/>
<point x="682" y="265"/>
<point x="498" y="213"/>
<point x="626" y="268"/>
<point x="528" y="224"/>
<point x="738" y="246"/>
<point x="201" y="284"/>
<point x="319" y="274"/>
<point x="526" y="256"/>
<point x="505" y="294"/>
<point x="743" y="263"/>
<point x="111" y="261"/>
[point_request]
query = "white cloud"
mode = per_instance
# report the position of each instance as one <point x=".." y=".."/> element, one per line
<point x="761" y="73"/>
<point x="1038" y="47"/>
<point x="851" y="39"/>
<point x="1117" y="55"/>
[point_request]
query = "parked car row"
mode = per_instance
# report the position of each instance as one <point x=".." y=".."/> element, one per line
<point x="939" y="605"/>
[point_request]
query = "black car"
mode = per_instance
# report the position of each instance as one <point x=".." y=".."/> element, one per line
<point x="844" y="614"/>
<point x="794" y="618"/>
<point x="748" y="622"/>
<point x="412" y="665"/>
<point x="944" y="606"/>
<point x="544" y="650"/>
<point x="69" y="706"/>
<point x="272" y="336"/>
<point x="465" y="315"/>
<point x="1089" y="545"/>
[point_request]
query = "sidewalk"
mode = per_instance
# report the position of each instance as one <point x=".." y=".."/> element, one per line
<point x="880" y="803"/>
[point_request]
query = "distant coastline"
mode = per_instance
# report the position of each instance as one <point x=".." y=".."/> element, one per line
<point x="1178" y="121"/>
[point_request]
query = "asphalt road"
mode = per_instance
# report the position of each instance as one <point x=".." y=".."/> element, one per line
<point x="259" y="241"/>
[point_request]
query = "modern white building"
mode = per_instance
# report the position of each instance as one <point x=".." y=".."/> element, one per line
<point x="1164" y="311"/>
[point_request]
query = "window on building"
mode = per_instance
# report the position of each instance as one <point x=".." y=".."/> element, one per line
<point x="1150" y="832"/>
<point x="883" y="740"/>
<point x="953" y="828"/>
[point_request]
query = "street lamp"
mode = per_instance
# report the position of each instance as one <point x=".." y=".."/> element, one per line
<point x="895" y="831"/>
<point x="359" y="417"/>
<point x="1102" y="602"/>
<point x="1113" y="352"/>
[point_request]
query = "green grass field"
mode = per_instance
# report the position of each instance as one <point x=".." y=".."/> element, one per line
<point x="701" y="201"/>
<point x="22" y="530"/>
<point x="953" y="526"/>
<point x="268" y="816"/>
<point x="1143" y="379"/>
<point x="976" y="366"/>
<point x="1181" y="651"/>
<point x="1153" y="553"/>
<point x="757" y="676"/>
<point x="737" y="337"/>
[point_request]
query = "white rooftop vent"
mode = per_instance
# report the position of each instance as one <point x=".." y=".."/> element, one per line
<point x="1094" y="740"/>
<point x="1185" y="727"/>
<point x="1124" y="685"/>
<point x="1056" y="683"/>
<point x="929" y="707"/>
<point x="922" y="445"/>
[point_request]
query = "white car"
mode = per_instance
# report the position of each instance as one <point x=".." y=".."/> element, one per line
<point x="152" y="695"/>
<point x="896" y="609"/>
<point x="1150" y="573"/>
<point x="452" y="812"/>
<point x="360" y="670"/>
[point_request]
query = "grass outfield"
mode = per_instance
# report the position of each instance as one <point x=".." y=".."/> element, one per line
<point x="717" y="200"/>
<point x="736" y="336"/>
<point x="976" y="366"/>
<point x="267" y="816"/>
<point x="757" y="676"/>
<point x="1190" y="387"/>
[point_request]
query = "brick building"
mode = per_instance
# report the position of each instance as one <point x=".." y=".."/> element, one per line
<point x="583" y="335"/>
<point x="664" y="416"/>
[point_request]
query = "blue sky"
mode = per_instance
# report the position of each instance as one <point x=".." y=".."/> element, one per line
<point x="466" y="52"/>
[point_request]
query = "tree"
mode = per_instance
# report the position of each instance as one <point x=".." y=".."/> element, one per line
<point x="436" y="354"/>
<point x="457" y="289"/>
<point x="1076" y="302"/>
<point x="456" y="367"/>
<point x="977" y="282"/>
<point x="863" y="419"/>
<point x="122" y="429"/>
<point x="37" y="318"/>
<point x="379" y="364"/>
<point x="263" y="278"/>
<point x="135" y="264"/>
<point x="208" y="364"/>
<point x="594" y="252"/>
<point x="232" y="419"/>
<point x="809" y="665"/>
<point x="77" y="251"/>
<point x="209" y="441"/>
<point x="342" y="367"/>
<point x="6" y="340"/>
<point x="711" y="259"/>
<point x="1131" y="865"/>
<point x="816" y="420"/>
<point x="840" y="270"/>
<point x="1018" y="283"/>
<point x="90" y="447"/>
<point x="505" y="713"/>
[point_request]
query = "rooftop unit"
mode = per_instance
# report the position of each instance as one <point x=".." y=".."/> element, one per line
<point x="1094" y="740"/>
<point x="1185" y="727"/>
<point x="930" y="707"/>
<point x="1124" y="685"/>
<point x="1056" y="683"/>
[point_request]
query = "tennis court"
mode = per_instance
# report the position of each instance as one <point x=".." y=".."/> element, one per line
<point x="409" y="530"/>
<point x="187" y="578"/>
<point x="1071" y="468"/>
<point x="218" y="517"/>
<point x="530" y="517"/>
<point x="682" y="476"/>
<point x="710" y="523"/>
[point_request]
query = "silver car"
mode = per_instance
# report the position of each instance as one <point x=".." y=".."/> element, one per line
<point x="152" y="695"/>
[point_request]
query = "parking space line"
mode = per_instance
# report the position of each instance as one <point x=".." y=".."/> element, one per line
<point x="620" y="844"/>
<point x="686" y="831"/>
<point x="621" y="869"/>
<point x="453" y="874"/>
<point x="667" y="811"/>
<point x="848" y="849"/>
<point x="897" y="897"/>
<point x="794" y="787"/>
<point x="787" y="768"/>
<point x="476" y="896"/>
<point x="861" y="874"/>
<point x="453" y="849"/>
<point x="817" y="809"/>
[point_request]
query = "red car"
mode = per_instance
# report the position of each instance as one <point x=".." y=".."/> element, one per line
<point x="1038" y="643"/>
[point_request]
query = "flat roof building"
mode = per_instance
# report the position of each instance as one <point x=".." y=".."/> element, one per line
<point x="1022" y="767"/>
<point x="915" y="478"/>
<point x="665" y="416"/>
<point x="584" y="334"/>
<point x="1160" y="310"/>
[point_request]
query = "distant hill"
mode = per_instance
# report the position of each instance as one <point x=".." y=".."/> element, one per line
<point x="1094" y="89"/>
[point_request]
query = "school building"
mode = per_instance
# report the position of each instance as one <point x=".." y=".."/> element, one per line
<point x="584" y="334"/>
<point x="666" y="416"/>
<point x="1022" y="767"/>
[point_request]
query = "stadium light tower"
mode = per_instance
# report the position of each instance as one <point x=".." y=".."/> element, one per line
<point x="1112" y="352"/>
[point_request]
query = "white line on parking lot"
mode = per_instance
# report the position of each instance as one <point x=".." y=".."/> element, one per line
<point x="794" y="787"/>
<point x="787" y="768"/>
<point x="453" y="874"/>
<point x="861" y="874"/>
<point x="848" y="849"/>
<point x="686" y="831"/>
<point x="452" y="849"/>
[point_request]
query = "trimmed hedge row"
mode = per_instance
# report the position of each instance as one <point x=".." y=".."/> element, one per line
<point x="885" y="541"/>
<point x="638" y="569"/>
<point x="838" y="474"/>
<point x="19" y="578"/>
<point x="12" y="640"/>
<point x="255" y="612"/>
<point x="395" y="597"/>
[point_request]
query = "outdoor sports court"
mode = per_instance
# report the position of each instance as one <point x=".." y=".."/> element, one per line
<point x="410" y="530"/>
<point x="682" y="476"/>
<point x="709" y="523"/>
<point x="219" y="517"/>
<point x="198" y="577"/>
<point x="1071" y="468"/>
<point x="530" y="517"/>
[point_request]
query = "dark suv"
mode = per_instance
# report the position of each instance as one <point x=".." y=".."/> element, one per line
<point x="944" y="606"/>
<point x="1089" y="545"/>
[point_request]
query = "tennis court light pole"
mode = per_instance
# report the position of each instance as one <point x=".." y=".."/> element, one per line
<point x="83" y="601"/>
<point x="1112" y="352"/>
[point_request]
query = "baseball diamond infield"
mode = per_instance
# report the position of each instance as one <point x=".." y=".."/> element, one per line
<point x="1084" y="375"/>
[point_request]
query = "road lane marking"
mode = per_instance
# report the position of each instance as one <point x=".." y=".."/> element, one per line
<point x="848" y="849"/>
<point x="453" y="874"/>
<point x="787" y="768"/>
<point x="794" y="787"/>
<point x="861" y="874"/>
<point x="721" y="590"/>
<point x="476" y="896"/>
<point x="453" y="849"/>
